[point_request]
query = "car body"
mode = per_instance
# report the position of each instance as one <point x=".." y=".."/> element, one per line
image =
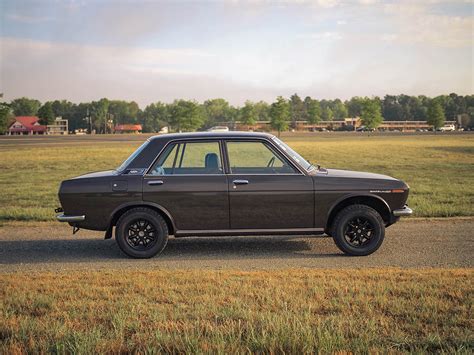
<point x="226" y="183"/>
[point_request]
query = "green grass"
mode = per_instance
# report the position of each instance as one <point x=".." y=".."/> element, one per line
<point x="438" y="168"/>
<point x="297" y="311"/>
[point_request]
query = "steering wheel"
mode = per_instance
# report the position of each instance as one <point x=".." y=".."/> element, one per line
<point x="271" y="162"/>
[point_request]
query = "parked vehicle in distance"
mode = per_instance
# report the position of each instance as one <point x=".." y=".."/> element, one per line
<point x="218" y="129"/>
<point x="230" y="183"/>
<point x="365" y="129"/>
<point x="163" y="130"/>
<point x="346" y="128"/>
<point x="447" y="128"/>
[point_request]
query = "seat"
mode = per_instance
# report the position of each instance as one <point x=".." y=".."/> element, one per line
<point x="211" y="162"/>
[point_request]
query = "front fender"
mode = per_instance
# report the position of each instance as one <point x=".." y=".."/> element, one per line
<point x="356" y="195"/>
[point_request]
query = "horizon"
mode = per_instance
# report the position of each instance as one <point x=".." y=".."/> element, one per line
<point x="269" y="102"/>
<point x="82" y="51"/>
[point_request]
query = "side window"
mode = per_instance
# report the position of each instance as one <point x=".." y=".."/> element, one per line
<point x="189" y="158"/>
<point x="256" y="158"/>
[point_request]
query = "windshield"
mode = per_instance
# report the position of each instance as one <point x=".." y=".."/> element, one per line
<point x="131" y="157"/>
<point x="294" y="155"/>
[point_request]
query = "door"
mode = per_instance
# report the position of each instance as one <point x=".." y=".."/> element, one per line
<point x="188" y="180"/>
<point x="265" y="190"/>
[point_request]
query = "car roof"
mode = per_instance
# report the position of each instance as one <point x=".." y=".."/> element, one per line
<point x="214" y="135"/>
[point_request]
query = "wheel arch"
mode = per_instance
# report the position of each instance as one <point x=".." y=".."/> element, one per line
<point x="374" y="201"/>
<point x="119" y="211"/>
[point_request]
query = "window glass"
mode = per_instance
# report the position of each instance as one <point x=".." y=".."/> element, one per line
<point x="132" y="156"/>
<point x="298" y="158"/>
<point x="256" y="158"/>
<point x="189" y="158"/>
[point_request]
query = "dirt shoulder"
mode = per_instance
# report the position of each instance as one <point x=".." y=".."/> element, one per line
<point x="411" y="243"/>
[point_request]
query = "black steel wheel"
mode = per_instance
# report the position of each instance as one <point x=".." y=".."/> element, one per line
<point x="358" y="230"/>
<point x="141" y="233"/>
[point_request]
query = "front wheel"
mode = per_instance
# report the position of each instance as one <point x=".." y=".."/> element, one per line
<point x="141" y="233"/>
<point x="358" y="230"/>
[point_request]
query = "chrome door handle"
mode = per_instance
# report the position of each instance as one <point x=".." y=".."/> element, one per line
<point x="155" y="182"/>
<point x="240" y="182"/>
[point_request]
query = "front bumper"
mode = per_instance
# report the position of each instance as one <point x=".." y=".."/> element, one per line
<point x="402" y="212"/>
<point x="64" y="218"/>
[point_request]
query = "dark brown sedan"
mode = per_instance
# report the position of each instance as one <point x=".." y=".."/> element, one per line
<point x="230" y="183"/>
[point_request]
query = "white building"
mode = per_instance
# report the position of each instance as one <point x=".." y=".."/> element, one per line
<point x="60" y="127"/>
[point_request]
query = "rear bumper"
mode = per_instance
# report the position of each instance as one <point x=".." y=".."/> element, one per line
<point x="402" y="212"/>
<point x="64" y="218"/>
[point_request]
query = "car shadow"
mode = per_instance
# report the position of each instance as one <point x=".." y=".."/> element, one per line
<point x="94" y="250"/>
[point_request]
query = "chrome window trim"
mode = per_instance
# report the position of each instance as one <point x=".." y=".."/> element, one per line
<point x="160" y="176"/>
<point x="222" y="141"/>
<point x="295" y="174"/>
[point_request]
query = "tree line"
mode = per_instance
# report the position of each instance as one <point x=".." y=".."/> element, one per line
<point x="283" y="113"/>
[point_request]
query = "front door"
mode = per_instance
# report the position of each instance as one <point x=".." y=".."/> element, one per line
<point x="188" y="180"/>
<point x="265" y="190"/>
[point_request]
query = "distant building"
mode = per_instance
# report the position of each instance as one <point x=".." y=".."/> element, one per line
<point x="60" y="127"/>
<point x="27" y="125"/>
<point x="128" y="128"/>
<point x="350" y="123"/>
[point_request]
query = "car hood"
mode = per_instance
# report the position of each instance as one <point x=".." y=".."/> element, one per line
<point x="354" y="174"/>
<point x="97" y="174"/>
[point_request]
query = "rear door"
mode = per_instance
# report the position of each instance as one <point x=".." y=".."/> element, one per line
<point x="188" y="180"/>
<point x="266" y="191"/>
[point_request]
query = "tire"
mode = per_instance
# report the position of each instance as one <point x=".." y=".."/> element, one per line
<point x="141" y="233"/>
<point x="358" y="230"/>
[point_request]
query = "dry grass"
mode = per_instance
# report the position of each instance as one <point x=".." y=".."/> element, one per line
<point x="439" y="169"/>
<point x="295" y="311"/>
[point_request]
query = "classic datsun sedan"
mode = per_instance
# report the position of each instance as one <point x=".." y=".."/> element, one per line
<point x="230" y="183"/>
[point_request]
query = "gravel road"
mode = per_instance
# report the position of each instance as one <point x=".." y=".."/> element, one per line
<point x="412" y="243"/>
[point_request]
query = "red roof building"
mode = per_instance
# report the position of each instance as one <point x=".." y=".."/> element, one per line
<point x="128" y="128"/>
<point x="26" y="125"/>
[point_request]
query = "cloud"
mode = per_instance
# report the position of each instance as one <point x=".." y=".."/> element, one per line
<point x="325" y="36"/>
<point x="28" y="19"/>
<point x="258" y="51"/>
<point x="84" y="73"/>
<point x="416" y="23"/>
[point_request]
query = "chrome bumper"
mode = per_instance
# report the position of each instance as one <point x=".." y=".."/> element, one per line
<point x="405" y="211"/>
<point x="64" y="218"/>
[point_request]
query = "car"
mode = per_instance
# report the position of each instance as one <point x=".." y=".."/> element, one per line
<point x="230" y="184"/>
<point x="218" y="129"/>
<point x="447" y="128"/>
<point x="365" y="129"/>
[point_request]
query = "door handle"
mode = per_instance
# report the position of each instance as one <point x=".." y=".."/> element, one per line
<point x="155" y="182"/>
<point x="240" y="182"/>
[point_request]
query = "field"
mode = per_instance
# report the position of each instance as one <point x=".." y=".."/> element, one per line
<point x="438" y="168"/>
<point x="78" y="295"/>
<point x="229" y="312"/>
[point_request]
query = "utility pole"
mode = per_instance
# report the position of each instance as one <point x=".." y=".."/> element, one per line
<point x="88" y="118"/>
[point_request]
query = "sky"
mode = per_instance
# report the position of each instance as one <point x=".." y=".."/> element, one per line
<point x="150" y="51"/>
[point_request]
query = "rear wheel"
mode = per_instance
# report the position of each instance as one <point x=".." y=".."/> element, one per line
<point x="358" y="230"/>
<point x="141" y="233"/>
